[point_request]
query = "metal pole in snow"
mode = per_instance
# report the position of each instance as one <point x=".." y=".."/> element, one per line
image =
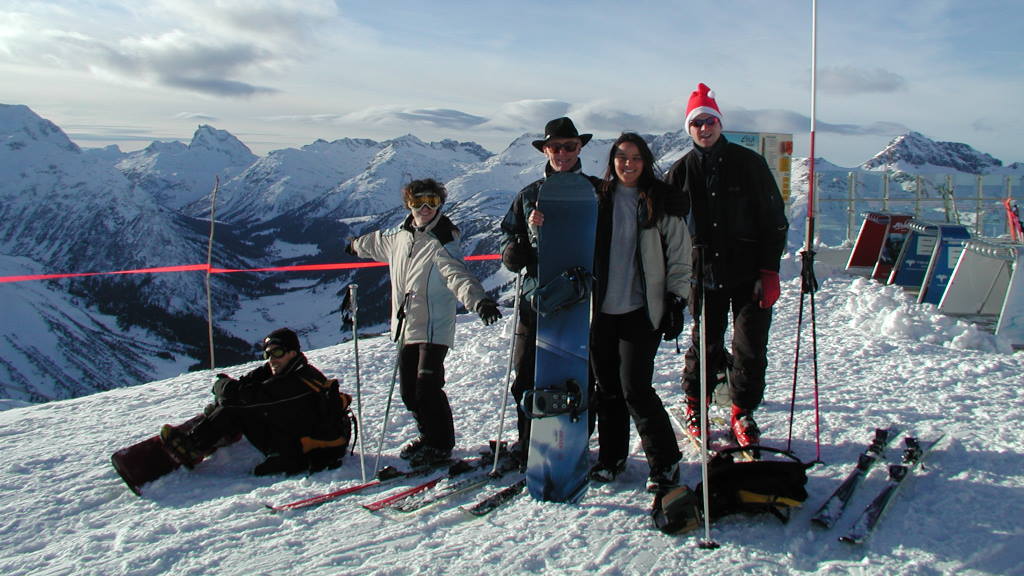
<point x="809" y="244"/>
<point x="209" y="262"/>
<point x="354" y="303"/>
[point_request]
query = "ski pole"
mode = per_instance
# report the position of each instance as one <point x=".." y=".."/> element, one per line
<point x="354" y="307"/>
<point x="508" y="372"/>
<point x="394" y="377"/>
<point x="707" y="543"/>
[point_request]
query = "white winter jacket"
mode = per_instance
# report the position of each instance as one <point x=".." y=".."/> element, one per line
<point x="427" y="274"/>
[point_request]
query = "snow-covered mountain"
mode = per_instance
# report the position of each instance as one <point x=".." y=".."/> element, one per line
<point x="914" y="152"/>
<point x="177" y="175"/>
<point x="285" y="180"/>
<point x="68" y="210"/>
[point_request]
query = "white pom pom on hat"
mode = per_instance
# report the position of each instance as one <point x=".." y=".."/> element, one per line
<point x="702" y="101"/>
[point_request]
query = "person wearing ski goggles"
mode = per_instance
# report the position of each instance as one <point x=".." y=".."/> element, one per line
<point x="286" y="408"/>
<point x="428" y="279"/>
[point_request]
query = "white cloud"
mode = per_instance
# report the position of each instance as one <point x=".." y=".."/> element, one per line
<point x="527" y="115"/>
<point x="858" y="80"/>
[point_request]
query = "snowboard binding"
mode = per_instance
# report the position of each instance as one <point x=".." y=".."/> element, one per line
<point x="554" y="401"/>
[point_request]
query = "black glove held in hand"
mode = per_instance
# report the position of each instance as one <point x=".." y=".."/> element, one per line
<point x="488" y="312"/>
<point x="518" y="254"/>
<point x="672" y="320"/>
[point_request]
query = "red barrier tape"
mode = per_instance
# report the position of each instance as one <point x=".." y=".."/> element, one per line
<point x="204" y="268"/>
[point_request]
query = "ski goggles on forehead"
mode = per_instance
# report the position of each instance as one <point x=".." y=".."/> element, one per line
<point x="431" y="200"/>
<point x="274" y="353"/>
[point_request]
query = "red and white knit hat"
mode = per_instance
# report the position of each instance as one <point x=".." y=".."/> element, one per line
<point x="702" y="101"/>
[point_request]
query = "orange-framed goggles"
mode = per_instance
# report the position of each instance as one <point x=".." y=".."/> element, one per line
<point x="420" y="200"/>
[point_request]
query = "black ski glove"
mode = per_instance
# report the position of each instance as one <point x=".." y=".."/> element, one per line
<point x="672" y="319"/>
<point x="225" y="388"/>
<point x="349" y="248"/>
<point x="518" y="254"/>
<point x="488" y="312"/>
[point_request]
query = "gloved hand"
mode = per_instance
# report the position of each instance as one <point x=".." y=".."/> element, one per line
<point x="767" y="289"/>
<point x="672" y="319"/>
<point x="225" y="388"/>
<point x="348" y="246"/>
<point x="488" y="311"/>
<point x="518" y="254"/>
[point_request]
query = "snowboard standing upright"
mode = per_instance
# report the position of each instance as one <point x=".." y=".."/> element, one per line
<point x="558" y="460"/>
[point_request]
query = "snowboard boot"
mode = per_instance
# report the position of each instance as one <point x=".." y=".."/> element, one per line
<point x="181" y="447"/>
<point x="663" y="478"/>
<point x="743" y="427"/>
<point x="604" y="472"/>
<point x="517" y="454"/>
<point x="429" y="456"/>
<point x="410" y="449"/>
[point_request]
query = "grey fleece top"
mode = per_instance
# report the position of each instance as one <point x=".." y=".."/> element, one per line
<point x="625" y="292"/>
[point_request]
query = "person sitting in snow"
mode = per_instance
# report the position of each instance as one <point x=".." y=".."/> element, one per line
<point x="286" y="408"/>
<point x="427" y="275"/>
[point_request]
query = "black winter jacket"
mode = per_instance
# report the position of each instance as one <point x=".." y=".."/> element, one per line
<point x="299" y="401"/>
<point x="736" y="212"/>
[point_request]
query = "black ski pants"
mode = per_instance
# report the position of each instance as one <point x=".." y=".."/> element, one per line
<point x="265" y="427"/>
<point x="622" y="351"/>
<point x="524" y="360"/>
<point x="750" y="327"/>
<point x="421" y="377"/>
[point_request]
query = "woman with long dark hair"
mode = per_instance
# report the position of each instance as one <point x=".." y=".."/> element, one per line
<point x="642" y="273"/>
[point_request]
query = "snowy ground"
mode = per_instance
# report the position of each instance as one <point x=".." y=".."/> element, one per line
<point x="882" y="359"/>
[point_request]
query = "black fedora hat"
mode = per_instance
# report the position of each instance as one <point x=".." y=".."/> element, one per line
<point x="561" y="128"/>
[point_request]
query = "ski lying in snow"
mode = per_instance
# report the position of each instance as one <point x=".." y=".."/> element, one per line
<point x="442" y="491"/>
<point x="496" y="500"/>
<point x="833" y="508"/>
<point x="913" y="455"/>
<point x="386" y="475"/>
<point x="458" y="468"/>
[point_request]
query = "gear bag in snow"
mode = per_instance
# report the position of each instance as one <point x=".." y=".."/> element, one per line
<point x="772" y="486"/>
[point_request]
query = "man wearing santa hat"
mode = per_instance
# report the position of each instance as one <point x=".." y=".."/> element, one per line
<point x="738" y="225"/>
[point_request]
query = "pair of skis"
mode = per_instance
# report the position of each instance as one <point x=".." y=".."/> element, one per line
<point x="832" y="509"/>
<point x="427" y="493"/>
<point x="462" y="478"/>
<point x="386" y="475"/>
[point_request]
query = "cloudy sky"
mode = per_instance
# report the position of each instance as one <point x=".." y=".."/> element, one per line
<point x="284" y="73"/>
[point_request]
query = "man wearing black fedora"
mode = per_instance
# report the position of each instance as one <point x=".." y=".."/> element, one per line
<point x="561" y="144"/>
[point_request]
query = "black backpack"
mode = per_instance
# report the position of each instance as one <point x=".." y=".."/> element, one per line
<point x="335" y="411"/>
<point x="774" y="486"/>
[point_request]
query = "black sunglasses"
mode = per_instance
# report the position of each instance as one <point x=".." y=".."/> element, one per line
<point x="567" y="146"/>
<point x="709" y="122"/>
